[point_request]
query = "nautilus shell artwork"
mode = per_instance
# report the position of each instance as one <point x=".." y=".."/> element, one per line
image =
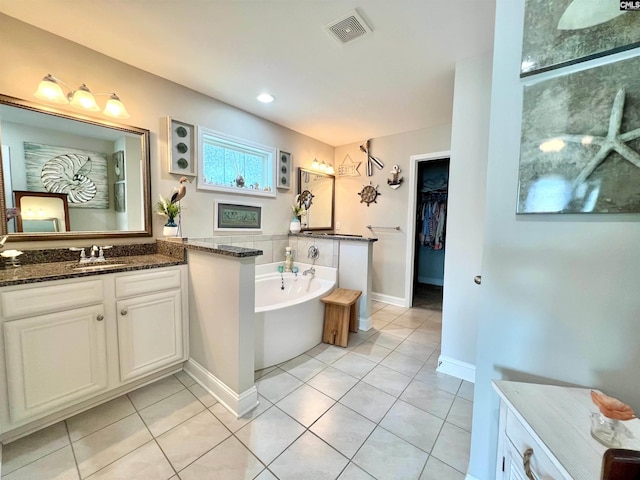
<point x="69" y="174"/>
<point x="80" y="174"/>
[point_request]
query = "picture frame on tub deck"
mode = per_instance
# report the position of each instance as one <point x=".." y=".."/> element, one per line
<point x="580" y="141"/>
<point x="237" y="216"/>
<point x="558" y="33"/>
<point x="181" y="147"/>
<point x="284" y="170"/>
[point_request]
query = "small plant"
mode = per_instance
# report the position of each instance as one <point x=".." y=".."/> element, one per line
<point x="166" y="208"/>
<point x="298" y="209"/>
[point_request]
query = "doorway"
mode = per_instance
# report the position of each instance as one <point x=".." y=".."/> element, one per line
<point x="431" y="193"/>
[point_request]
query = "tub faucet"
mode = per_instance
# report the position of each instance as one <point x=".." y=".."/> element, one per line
<point x="312" y="271"/>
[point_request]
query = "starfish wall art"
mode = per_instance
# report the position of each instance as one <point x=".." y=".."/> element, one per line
<point x="580" y="149"/>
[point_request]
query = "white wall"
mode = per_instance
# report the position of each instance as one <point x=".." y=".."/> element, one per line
<point x="559" y="299"/>
<point x="29" y="53"/>
<point x="466" y="211"/>
<point x="390" y="269"/>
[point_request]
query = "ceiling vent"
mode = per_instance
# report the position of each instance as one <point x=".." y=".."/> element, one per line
<point x="348" y="28"/>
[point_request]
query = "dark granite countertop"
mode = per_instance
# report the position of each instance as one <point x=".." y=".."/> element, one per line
<point x="335" y="236"/>
<point x="208" y="245"/>
<point x="43" y="265"/>
<point x="44" y="272"/>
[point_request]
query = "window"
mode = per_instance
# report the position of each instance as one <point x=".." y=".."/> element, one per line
<point x="234" y="165"/>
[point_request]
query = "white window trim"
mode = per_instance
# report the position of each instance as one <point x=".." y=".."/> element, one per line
<point x="241" y="143"/>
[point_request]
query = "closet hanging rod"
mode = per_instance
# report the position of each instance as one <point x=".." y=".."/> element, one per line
<point x="371" y="227"/>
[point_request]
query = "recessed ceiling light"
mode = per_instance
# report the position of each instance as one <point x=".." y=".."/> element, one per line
<point x="265" y="98"/>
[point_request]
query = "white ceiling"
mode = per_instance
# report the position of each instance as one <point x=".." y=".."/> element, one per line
<point x="397" y="79"/>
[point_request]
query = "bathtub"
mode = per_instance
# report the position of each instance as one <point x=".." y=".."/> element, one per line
<point x="289" y="322"/>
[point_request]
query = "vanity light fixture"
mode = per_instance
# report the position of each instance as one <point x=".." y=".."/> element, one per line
<point x="265" y="98"/>
<point x="49" y="90"/>
<point x="322" y="167"/>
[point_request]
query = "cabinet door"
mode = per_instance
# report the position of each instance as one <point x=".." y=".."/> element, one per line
<point x="149" y="333"/>
<point x="54" y="361"/>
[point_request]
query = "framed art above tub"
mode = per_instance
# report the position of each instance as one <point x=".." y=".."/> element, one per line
<point x="235" y="216"/>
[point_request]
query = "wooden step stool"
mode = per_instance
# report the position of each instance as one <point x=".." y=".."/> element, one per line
<point x="340" y="316"/>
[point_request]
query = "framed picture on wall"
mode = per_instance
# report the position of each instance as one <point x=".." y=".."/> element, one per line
<point x="284" y="170"/>
<point x="237" y="216"/>
<point x="580" y="142"/>
<point x="181" y="146"/>
<point x="563" y="32"/>
<point x="119" y="197"/>
<point x="118" y="166"/>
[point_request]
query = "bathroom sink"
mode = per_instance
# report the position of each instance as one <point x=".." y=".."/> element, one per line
<point x="96" y="267"/>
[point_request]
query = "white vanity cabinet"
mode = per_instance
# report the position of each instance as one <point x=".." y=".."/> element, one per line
<point x="53" y="359"/>
<point x="71" y="344"/>
<point x="150" y="325"/>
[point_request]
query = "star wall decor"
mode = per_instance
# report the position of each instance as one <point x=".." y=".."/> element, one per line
<point x="349" y="168"/>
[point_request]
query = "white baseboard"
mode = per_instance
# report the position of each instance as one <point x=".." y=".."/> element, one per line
<point x="365" y="323"/>
<point x="381" y="297"/>
<point x="457" y="369"/>
<point x="238" y="404"/>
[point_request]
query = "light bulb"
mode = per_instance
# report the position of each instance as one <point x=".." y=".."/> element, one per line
<point x="115" y="107"/>
<point x="83" y="98"/>
<point x="49" y="91"/>
<point x="315" y="165"/>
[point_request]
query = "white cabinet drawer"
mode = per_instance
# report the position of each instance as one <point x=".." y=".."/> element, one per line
<point x="541" y="465"/>
<point x="50" y="298"/>
<point x="151" y="281"/>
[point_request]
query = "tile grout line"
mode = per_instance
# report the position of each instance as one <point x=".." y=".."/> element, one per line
<point x="73" y="450"/>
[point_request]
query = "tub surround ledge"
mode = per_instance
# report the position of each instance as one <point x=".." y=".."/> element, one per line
<point x="211" y="246"/>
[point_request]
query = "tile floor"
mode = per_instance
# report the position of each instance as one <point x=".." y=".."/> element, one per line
<point x="377" y="409"/>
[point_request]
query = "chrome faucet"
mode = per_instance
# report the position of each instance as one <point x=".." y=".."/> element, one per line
<point x="96" y="253"/>
<point x="312" y="271"/>
<point x="3" y="240"/>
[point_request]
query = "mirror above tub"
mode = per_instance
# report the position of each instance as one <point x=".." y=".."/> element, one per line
<point x="99" y="169"/>
<point x="317" y="190"/>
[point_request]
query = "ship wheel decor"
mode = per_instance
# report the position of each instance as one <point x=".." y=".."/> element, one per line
<point x="305" y="199"/>
<point x="369" y="193"/>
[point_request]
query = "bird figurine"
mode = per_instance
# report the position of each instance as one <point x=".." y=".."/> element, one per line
<point x="182" y="190"/>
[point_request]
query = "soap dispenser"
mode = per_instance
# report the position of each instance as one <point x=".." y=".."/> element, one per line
<point x="288" y="260"/>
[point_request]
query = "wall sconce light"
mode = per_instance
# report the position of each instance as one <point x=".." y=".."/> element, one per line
<point x="49" y="90"/>
<point x="315" y="165"/>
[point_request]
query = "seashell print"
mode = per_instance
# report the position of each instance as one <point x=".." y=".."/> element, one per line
<point x="68" y="174"/>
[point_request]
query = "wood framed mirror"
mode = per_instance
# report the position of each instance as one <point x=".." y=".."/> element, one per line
<point x="320" y="199"/>
<point x="44" y="150"/>
<point x="41" y="212"/>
